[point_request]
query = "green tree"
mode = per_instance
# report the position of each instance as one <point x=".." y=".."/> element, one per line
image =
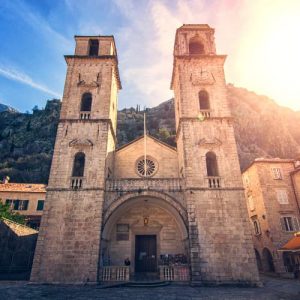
<point x="7" y="213"/>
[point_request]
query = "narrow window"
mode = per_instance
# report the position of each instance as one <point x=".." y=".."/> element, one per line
<point x="289" y="223"/>
<point x="251" y="203"/>
<point x="195" y="46"/>
<point x="86" y="102"/>
<point x="94" y="48"/>
<point x="256" y="227"/>
<point x="9" y="202"/>
<point x="204" y="100"/>
<point x="211" y="164"/>
<point x="40" y="205"/>
<point x="16" y="204"/>
<point x="276" y="173"/>
<point x="78" y="166"/>
<point x="282" y="197"/>
<point x="23" y="204"/>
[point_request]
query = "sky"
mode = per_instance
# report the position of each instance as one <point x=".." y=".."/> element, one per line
<point x="260" y="37"/>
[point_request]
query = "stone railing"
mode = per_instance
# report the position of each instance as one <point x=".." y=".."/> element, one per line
<point x="214" y="182"/>
<point x="76" y="183"/>
<point x="174" y="273"/>
<point x="114" y="273"/>
<point x="206" y="113"/>
<point x="135" y="184"/>
<point x="85" y="115"/>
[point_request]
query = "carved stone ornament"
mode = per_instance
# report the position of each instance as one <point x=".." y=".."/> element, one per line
<point x="93" y="84"/>
<point x="210" y="142"/>
<point x="202" y="78"/>
<point x="81" y="143"/>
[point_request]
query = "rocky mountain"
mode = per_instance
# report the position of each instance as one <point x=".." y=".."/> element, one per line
<point x="4" y="107"/>
<point x="262" y="129"/>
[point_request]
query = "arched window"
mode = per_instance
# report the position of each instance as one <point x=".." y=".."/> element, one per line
<point x="204" y="100"/>
<point x="211" y="164"/>
<point x="86" y="102"/>
<point x="195" y="46"/>
<point x="94" y="48"/>
<point x="78" y="165"/>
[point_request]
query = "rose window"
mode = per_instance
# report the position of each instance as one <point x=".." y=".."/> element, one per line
<point x="147" y="169"/>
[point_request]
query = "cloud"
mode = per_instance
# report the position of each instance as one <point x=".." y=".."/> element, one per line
<point x="258" y="36"/>
<point x="39" y="24"/>
<point x="25" y="79"/>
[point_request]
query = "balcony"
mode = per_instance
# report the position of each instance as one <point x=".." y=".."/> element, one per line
<point x="76" y="183"/>
<point x="206" y="113"/>
<point x="135" y="184"/>
<point x="213" y="182"/>
<point x="85" y="115"/>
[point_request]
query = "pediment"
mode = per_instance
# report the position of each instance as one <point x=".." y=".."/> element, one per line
<point x="214" y="142"/>
<point x="81" y="143"/>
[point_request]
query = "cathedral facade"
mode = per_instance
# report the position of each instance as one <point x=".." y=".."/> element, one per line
<point x="146" y="207"/>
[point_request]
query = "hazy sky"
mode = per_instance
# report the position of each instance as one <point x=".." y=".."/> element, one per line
<point x="260" y="37"/>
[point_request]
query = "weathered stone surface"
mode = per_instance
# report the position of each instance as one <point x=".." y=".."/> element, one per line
<point x="188" y="211"/>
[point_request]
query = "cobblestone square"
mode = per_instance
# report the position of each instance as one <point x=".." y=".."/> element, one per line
<point x="274" y="288"/>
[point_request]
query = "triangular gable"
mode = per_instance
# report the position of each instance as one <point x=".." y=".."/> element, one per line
<point x="151" y="138"/>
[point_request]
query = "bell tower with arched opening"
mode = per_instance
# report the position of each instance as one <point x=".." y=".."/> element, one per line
<point x="220" y="243"/>
<point x="70" y="234"/>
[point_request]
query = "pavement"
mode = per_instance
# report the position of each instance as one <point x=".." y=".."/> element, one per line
<point x="274" y="288"/>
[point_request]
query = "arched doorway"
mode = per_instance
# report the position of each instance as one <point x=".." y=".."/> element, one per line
<point x="268" y="264"/>
<point x="258" y="260"/>
<point x="148" y="231"/>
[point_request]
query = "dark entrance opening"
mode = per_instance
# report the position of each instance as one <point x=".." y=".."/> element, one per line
<point x="268" y="261"/>
<point x="145" y="253"/>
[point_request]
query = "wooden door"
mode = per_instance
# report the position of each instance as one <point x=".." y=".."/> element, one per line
<point x="145" y="253"/>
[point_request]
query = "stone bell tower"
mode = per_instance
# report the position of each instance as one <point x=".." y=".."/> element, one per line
<point x="69" y="239"/>
<point x="221" y="249"/>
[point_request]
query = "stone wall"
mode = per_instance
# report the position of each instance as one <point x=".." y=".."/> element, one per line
<point x="262" y="187"/>
<point x="17" y="245"/>
<point x="220" y="239"/>
<point x="165" y="156"/>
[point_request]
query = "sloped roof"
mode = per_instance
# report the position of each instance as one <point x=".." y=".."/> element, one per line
<point x="293" y="244"/>
<point x="148" y="136"/>
<point x="23" y="187"/>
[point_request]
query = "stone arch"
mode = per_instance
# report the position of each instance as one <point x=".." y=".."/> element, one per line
<point x="258" y="260"/>
<point x="173" y="203"/>
<point x="211" y="164"/>
<point x="86" y="102"/>
<point x="78" y="164"/>
<point x="268" y="263"/>
<point x="196" y="46"/>
<point x="204" y="100"/>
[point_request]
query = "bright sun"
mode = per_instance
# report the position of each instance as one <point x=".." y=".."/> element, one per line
<point x="270" y="52"/>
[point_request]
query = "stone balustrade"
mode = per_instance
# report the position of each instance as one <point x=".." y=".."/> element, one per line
<point x="174" y="273"/>
<point x="206" y="113"/>
<point x="135" y="184"/>
<point x="114" y="273"/>
<point x="85" y="115"/>
<point x="76" y="183"/>
<point x="214" y="182"/>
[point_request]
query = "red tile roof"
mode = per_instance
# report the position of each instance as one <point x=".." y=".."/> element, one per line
<point x="23" y="187"/>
